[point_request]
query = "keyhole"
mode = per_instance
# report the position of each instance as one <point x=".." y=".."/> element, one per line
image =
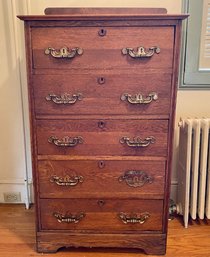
<point x="101" y="124"/>
<point x="101" y="202"/>
<point x="64" y="51"/>
<point x="101" y="80"/>
<point x="102" y="32"/>
<point x="141" y="50"/>
<point x="101" y="164"/>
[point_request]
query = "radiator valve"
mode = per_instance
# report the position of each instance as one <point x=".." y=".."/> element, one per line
<point x="172" y="209"/>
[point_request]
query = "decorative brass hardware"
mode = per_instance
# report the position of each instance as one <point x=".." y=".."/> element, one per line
<point x="64" y="98"/>
<point x="101" y="164"/>
<point x="102" y="32"/>
<point x="137" y="141"/>
<point x="135" y="178"/>
<point x="68" y="217"/>
<point x="141" y="52"/>
<point x="133" y="217"/>
<point x="67" y="180"/>
<point x="64" y="52"/>
<point x="101" y="80"/>
<point x="139" y="98"/>
<point x="66" y="141"/>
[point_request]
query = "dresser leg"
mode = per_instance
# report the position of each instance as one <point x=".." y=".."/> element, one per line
<point x="47" y="248"/>
<point x="156" y="250"/>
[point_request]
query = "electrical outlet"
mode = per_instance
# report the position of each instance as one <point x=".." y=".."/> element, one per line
<point x="12" y="197"/>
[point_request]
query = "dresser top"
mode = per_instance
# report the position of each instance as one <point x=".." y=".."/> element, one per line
<point x="65" y="14"/>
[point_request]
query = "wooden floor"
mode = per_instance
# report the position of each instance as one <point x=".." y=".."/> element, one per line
<point x="17" y="238"/>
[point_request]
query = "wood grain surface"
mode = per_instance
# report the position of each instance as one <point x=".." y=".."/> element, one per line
<point x="130" y="10"/>
<point x="98" y="176"/>
<point x="102" y="120"/>
<point x="17" y="238"/>
<point x="96" y="97"/>
<point x="103" y="141"/>
<point x="101" y="218"/>
<point x="103" y="52"/>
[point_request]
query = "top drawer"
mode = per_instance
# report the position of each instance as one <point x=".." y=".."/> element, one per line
<point x="102" y="47"/>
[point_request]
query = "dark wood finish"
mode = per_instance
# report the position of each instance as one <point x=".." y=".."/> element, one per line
<point x="154" y="244"/>
<point x="101" y="119"/>
<point x="172" y="120"/>
<point x="162" y="18"/>
<point x="102" y="141"/>
<point x="70" y="11"/>
<point x="98" y="176"/>
<point x="105" y="53"/>
<point x="103" y="219"/>
<point x="95" y="96"/>
<point x="17" y="232"/>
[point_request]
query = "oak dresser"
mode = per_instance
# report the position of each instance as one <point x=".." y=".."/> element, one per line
<point x="102" y="93"/>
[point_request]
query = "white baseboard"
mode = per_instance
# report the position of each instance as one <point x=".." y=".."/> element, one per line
<point x="16" y="185"/>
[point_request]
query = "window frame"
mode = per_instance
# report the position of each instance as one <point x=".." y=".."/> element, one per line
<point x="190" y="75"/>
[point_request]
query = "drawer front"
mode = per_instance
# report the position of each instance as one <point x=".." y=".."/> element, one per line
<point x="101" y="215"/>
<point x="102" y="137"/>
<point x="102" y="52"/>
<point x="81" y="179"/>
<point x="102" y="94"/>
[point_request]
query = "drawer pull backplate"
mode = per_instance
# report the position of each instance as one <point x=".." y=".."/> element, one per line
<point x="64" y="98"/>
<point x="68" y="217"/>
<point x="139" y="98"/>
<point x="141" y="52"/>
<point x="66" y="141"/>
<point x="135" y="178"/>
<point x="137" y="141"/>
<point x="67" y="180"/>
<point x="64" y="52"/>
<point x="133" y="217"/>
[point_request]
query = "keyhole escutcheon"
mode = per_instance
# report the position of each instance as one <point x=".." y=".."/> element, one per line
<point x="101" y="80"/>
<point x="102" y="32"/>
<point x="101" y="124"/>
<point x="101" y="164"/>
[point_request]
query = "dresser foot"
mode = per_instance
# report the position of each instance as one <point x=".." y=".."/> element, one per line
<point x="156" y="250"/>
<point x="47" y="248"/>
<point x="154" y="244"/>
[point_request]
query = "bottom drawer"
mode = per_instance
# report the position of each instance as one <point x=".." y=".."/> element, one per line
<point x="101" y="215"/>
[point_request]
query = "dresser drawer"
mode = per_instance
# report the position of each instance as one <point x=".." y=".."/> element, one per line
<point x="102" y="137"/>
<point x="73" y="179"/>
<point x="101" y="52"/>
<point x="101" y="215"/>
<point x="102" y="94"/>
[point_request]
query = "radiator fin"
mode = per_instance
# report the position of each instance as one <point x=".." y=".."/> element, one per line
<point x="194" y="169"/>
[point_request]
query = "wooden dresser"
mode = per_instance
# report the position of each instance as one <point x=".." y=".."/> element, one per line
<point x="102" y="93"/>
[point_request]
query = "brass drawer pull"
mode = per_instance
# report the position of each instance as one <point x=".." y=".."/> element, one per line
<point x="67" y="180"/>
<point x="137" y="141"/>
<point x="66" y="141"/>
<point x="135" y="178"/>
<point x="141" y="52"/>
<point x="133" y="217"/>
<point x="64" y="98"/>
<point x="139" y="98"/>
<point x="68" y="217"/>
<point x="64" y="52"/>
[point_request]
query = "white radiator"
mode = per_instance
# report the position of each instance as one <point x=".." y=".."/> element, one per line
<point x="193" y="197"/>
